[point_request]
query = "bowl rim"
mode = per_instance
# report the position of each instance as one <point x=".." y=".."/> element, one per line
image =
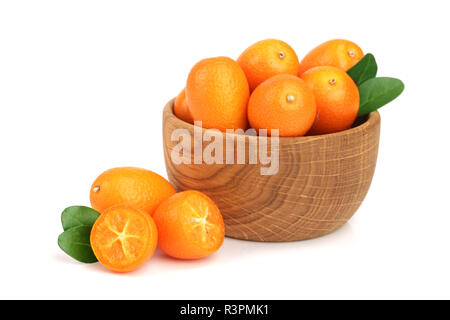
<point x="373" y="119"/>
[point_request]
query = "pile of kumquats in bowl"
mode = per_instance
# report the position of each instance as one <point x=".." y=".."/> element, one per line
<point x="268" y="88"/>
<point x="133" y="211"/>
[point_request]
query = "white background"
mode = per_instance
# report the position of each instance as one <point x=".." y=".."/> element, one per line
<point x="82" y="87"/>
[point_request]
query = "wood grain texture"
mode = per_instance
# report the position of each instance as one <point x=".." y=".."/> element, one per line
<point x="321" y="182"/>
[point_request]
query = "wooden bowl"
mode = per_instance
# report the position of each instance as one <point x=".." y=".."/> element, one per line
<point x="320" y="184"/>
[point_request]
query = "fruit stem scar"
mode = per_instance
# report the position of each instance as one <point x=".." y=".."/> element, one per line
<point x="290" y="98"/>
<point x="351" y="53"/>
<point x="281" y="55"/>
<point x="96" y="189"/>
<point x="332" y="81"/>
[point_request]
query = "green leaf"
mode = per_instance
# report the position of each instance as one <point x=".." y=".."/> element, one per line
<point x="78" y="216"/>
<point x="76" y="243"/>
<point x="377" y="92"/>
<point x="364" y="70"/>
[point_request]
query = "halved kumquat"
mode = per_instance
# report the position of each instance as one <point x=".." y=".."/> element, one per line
<point x="123" y="238"/>
<point x="190" y="226"/>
